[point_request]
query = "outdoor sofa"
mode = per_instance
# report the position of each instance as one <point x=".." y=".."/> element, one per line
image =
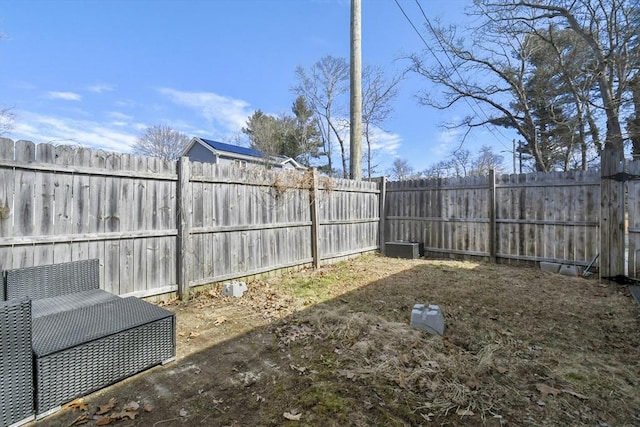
<point x="82" y="338"/>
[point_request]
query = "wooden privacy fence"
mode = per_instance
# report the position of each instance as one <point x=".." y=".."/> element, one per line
<point x="160" y="226"/>
<point x="530" y="217"/>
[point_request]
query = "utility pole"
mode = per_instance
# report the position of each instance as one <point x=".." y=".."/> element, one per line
<point x="356" y="92"/>
<point x="520" y="154"/>
<point x="514" y="156"/>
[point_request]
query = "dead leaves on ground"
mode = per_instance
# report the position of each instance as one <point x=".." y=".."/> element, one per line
<point x="292" y="415"/>
<point x="291" y="332"/>
<point x="464" y="413"/>
<point x="546" y="390"/>
<point x="191" y="335"/>
<point x="78" y="405"/>
<point x="103" y="409"/>
<point x="107" y="413"/>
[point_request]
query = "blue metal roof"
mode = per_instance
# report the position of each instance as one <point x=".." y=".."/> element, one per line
<point x="221" y="146"/>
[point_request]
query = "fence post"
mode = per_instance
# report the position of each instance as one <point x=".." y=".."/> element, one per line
<point x="492" y="216"/>
<point x="612" y="245"/>
<point x="382" y="200"/>
<point x="315" y="225"/>
<point x="184" y="228"/>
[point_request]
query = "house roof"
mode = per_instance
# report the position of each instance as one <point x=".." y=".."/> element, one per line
<point x="221" y="146"/>
<point x="241" y="152"/>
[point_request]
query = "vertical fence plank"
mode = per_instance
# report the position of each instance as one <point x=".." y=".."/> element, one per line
<point x="612" y="215"/>
<point x="492" y="216"/>
<point x="382" y="203"/>
<point x="315" y="221"/>
<point x="7" y="205"/>
<point x="184" y="228"/>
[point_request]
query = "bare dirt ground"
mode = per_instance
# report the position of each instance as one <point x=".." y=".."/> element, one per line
<point x="334" y="347"/>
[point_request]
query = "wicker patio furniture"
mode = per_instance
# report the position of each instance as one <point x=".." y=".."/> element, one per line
<point x="16" y="367"/>
<point x="84" y="338"/>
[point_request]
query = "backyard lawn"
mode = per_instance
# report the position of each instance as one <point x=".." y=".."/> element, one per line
<point x="333" y="346"/>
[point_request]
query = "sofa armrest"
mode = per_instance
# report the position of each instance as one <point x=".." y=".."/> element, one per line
<point x="16" y="357"/>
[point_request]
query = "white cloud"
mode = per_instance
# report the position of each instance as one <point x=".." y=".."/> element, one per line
<point x="126" y="103"/>
<point x="58" y="130"/>
<point x="101" y="87"/>
<point x="66" y="96"/>
<point x="386" y="142"/>
<point x="447" y="139"/>
<point x="116" y="115"/>
<point x="229" y="113"/>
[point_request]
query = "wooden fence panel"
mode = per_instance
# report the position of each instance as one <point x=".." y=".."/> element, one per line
<point x="548" y="217"/>
<point x="538" y="217"/>
<point x="67" y="203"/>
<point x="60" y="203"/>
<point x="247" y="220"/>
<point x="348" y="217"/>
<point x="7" y="201"/>
<point x="447" y="215"/>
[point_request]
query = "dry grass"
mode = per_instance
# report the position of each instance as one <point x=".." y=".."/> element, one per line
<point x="334" y="346"/>
<point x="510" y="332"/>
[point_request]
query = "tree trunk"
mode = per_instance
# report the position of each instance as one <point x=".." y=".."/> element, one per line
<point x="613" y="140"/>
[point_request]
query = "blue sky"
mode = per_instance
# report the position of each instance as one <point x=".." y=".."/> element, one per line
<point x="97" y="73"/>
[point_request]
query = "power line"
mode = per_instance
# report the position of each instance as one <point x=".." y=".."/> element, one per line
<point x="455" y="69"/>
<point x="490" y="129"/>
<point x="419" y="34"/>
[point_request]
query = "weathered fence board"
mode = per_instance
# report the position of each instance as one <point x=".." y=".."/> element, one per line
<point x="246" y="221"/>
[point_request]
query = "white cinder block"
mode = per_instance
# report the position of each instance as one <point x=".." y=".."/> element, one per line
<point x="551" y="267"/>
<point x="234" y="289"/>
<point x="427" y="318"/>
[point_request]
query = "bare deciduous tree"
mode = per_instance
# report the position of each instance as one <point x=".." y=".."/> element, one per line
<point x="487" y="160"/>
<point x="609" y="28"/>
<point x="323" y="86"/>
<point x="7" y="120"/>
<point x="493" y="70"/>
<point x="161" y="141"/>
<point x="462" y="163"/>
<point x="401" y="170"/>
<point x="377" y="97"/>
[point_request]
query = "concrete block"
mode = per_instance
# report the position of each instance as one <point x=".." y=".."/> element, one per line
<point x="551" y="267"/>
<point x="427" y="318"/>
<point x="569" y="270"/>
<point x="234" y="289"/>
